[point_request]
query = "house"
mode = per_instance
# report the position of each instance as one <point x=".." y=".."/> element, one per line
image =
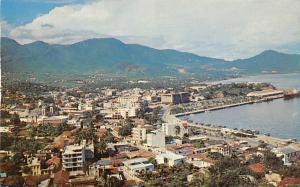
<point x="200" y="160"/>
<point x="61" y="179"/>
<point x="96" y="168"/>
<point x="140" y="153"/>
<point x="183" y="149"/>
<point x="120" y="147"/>
<point x="288" y="153"/>
<point x="223" y="149"/>
<point x="134" y="166"/>
<point x="169" y="158"/>
<point x="289" y="181"/>
<point x="34" y="180"/>
<point x="175" y="129"/>
<point x="35" y="165"/>
<point x="195" y="175"/>
<point x="258" y="168"/>
<point x="273" y="178"/>
<point x="54" y="120"/>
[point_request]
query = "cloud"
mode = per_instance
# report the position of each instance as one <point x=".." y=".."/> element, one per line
<point x="225" y="29"/>
<point x="57" y="1"/>
<point x="5" y="28"/>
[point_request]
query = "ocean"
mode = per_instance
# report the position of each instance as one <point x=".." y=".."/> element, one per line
<point x="280" y="117"/>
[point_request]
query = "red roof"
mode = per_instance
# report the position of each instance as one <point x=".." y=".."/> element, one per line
<point x="289" y="181"/>
<point x="61" y="177"/>
<point x="257" y="168"/>
<point x="101" y="133"/>
<point x="34" y="180"/>
<point x="12" y="180"/>
<point x="182" y="146"/>
<point x="54" y="160"/>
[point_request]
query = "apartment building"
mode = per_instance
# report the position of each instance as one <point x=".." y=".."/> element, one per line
<point x="74" y="157"/>
<point x="175" y="98"/>
<point x="156" y="139"/>
<point x="139" y="134"/>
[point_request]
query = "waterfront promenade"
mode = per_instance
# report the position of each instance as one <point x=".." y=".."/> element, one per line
<point x="277" y="142"/>
<point x="199" y="108"/>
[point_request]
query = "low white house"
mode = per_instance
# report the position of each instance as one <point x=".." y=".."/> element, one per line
<point x="169" y="158"/>
<point x="200" y="161"/>
<point x="137" y="165"/>
<point x="288" y="153"/>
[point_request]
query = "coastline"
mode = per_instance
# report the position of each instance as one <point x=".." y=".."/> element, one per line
<point x="275" y="141"/>
<point x="266" y="99"/>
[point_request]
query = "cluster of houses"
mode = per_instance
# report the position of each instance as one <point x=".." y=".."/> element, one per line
<point x="75" y="163"/>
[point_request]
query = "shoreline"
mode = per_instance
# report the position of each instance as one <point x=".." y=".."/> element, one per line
<point x="266" y="99"/>
<point x="276" y="141"/>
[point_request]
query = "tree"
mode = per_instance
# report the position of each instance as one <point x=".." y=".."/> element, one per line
<point x="108" y="138"/>
<point x="26" y="170"/>
<point x="15" y="119"/>
<point x="198" y="144"/>
<point x="100" y="147"/>
<point x="4" y="114"/>
<point x="177" y="130"/>
<point x="272" y="161"/>
<point x="125" y="130"/>
<point x="226" y="172"/>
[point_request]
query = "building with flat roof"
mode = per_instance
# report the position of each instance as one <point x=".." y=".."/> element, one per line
<point x="169" y="158"/>
<point x="139" y="134"/>
<point x="74" y="157"/>
<point x="156" y="139"/>
<point x="287" y="153"/>
<point x="134" y="166"/>
<point x="175" y="98"/>
<point x="54" y="120"/>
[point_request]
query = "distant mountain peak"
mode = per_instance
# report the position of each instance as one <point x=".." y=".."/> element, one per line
<point x="101" y="40"/>
<point x="270" y="52"/>
<point x="110" y="55"/>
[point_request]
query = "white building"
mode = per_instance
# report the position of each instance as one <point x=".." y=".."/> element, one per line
<point x="288" y="153"/>
<point x="174" y="129"/>
<point x="129" y="112"/>
<point x="139" y="134"/>
<point x="110" y="92"/>
<point x="156" y="139"/>
<point x="124" y="107"/>
<point x="222" y="149"/>
<point x="169" y="158"/>
<point x="134" y="166"/>
<point x="74" y="157"/>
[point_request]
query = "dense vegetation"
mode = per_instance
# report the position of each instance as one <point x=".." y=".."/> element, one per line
<point x="111" y="56"/>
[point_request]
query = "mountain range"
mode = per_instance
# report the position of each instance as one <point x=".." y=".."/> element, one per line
<point x="109" y="55"/>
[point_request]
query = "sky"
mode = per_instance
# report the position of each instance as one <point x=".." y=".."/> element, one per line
<point x="228" y="29"/>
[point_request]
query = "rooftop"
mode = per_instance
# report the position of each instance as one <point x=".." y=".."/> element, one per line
<point x="171" y="155"/>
